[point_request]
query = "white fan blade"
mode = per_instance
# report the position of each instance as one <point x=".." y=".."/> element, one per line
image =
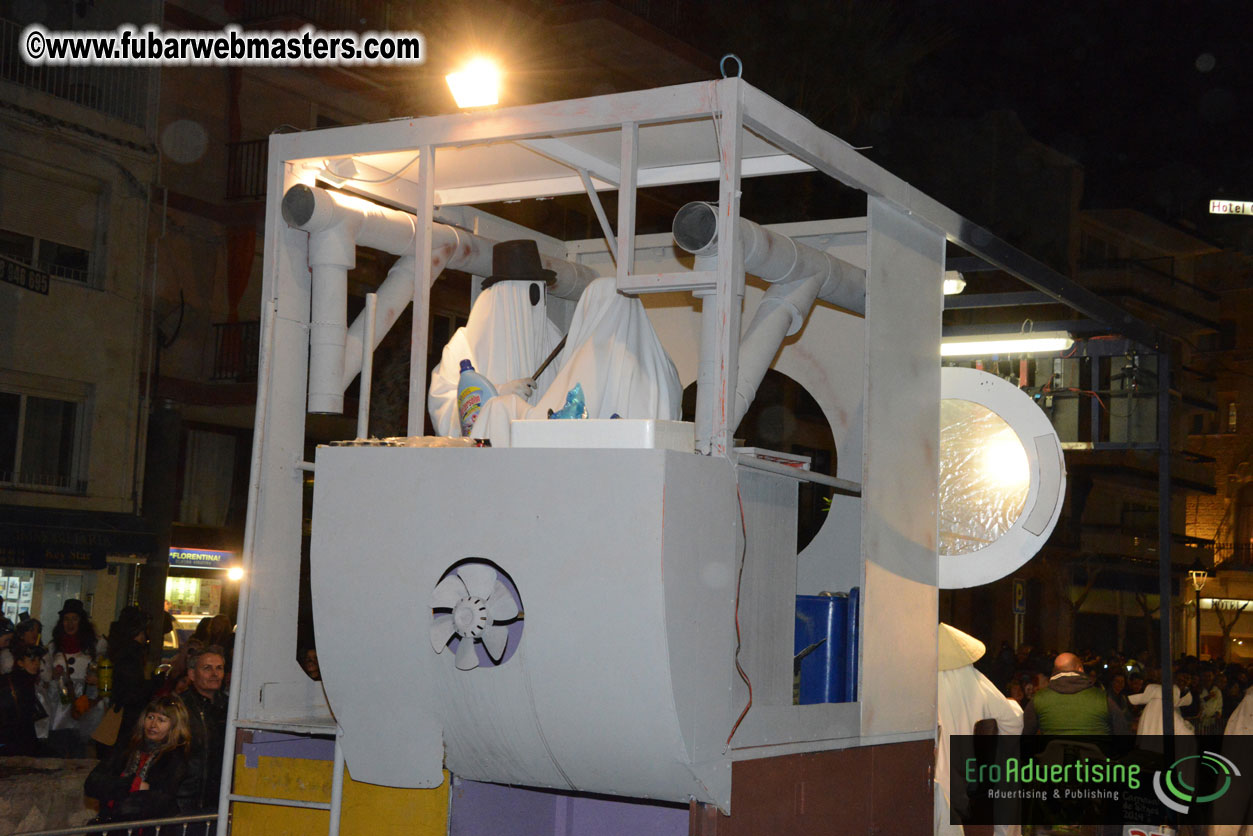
<point x="479" y="578"/>
<point x="494" y="639"/>
<point x="441" y="631"/>
<point x="467" y="659"/>
<point x="448" y="592"/>
<point x="501" y="606"/>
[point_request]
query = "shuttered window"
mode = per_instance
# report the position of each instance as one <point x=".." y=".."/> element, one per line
<point x="55" y="220"/>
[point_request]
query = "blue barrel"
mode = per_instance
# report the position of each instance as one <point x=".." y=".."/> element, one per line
<point x="828" y="672"/>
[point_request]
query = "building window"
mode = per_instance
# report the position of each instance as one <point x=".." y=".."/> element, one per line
<point x="1232" y="415"/>
<point x="50" y="220"/>
<point x="41" y="442"/>
<point x="60" y="260"/>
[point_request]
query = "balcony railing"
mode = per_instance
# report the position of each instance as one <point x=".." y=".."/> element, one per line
<point x="245" y="169"/>
<point x="1233" y="555"/>
<point x="43" y="482"/>
<point x="236" y="346"/>
<point x="119" y="92"/>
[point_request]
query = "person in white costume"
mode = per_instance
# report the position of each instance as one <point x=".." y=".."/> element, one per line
<point x="506" y="337"/>
<point x="966" y="697"/>
<point x="613" y="353"/>
<point x="1151" y="717"/>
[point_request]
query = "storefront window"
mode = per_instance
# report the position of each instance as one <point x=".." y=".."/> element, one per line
<point x="17" y="587"/>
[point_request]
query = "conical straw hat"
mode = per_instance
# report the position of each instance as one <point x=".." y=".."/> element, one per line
<point x="958" y="649"/>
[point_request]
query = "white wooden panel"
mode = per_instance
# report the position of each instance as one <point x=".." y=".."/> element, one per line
<point x="272" y="684"/>
<point x="898" y="655"/>
<point x="904" y="302"/>
<point x="768" y="587"/>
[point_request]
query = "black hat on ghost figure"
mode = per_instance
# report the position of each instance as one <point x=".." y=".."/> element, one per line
<point x="517" y="261"/>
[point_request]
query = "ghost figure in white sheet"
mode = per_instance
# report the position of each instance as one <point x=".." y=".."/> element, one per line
<point x="506" y="338"/>
<point x="613" y="352"/>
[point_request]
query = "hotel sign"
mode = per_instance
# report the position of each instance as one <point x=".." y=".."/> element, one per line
<point x="1230" y="207"/>
<point x="200" y="558"/>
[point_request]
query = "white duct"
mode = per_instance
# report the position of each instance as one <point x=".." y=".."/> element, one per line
<point x="337" y="223"/>
<point x="798" y="274"/>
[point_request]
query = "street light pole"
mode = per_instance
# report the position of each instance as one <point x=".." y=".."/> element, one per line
<point x="1199" y="578"/>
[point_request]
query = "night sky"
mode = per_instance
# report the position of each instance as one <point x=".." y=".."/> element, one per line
<point x="1151" y="98"/>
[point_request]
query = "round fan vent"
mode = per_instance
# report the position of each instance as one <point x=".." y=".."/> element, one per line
<point x="476" y="605"/>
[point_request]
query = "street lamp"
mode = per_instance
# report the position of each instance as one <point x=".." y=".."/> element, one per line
<point x="1199" y="578"/>
<point x="477" y="84"/>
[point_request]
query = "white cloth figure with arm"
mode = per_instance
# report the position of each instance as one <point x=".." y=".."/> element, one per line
<point x="506" y="336"/>
<point x="966" y="697"/>
<point x="1151" y="717"/>
<point x="613" y="352"/>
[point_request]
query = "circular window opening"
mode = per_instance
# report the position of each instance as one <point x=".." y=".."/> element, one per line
<point x="786" y="418"/>
<point x="984" y="477"/>
<point x="476" y="612"/>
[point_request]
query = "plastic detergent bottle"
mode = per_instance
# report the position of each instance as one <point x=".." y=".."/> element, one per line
<point x="473" y="390"/>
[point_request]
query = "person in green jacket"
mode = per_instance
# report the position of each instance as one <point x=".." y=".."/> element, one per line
<point x="1072" y="704"/>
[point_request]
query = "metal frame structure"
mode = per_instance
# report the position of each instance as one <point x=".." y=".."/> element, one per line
<point x="474" y="157"/>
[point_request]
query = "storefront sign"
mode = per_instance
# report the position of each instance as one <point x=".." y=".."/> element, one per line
<point x="200" y="558"/>
<point x="44" y="538"/>
<point x="23" y="276"/>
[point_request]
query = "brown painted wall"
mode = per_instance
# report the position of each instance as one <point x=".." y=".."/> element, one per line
<point x="875" y="790"/>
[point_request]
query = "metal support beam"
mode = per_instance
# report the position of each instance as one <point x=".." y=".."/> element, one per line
<point x="1165" y="585"/>
<point x="625" y="255"/>
<point x="610" y="241"/>
<point x="729" y="301"/>
<point x="422" y="216"/>
<point x="997" y="300"/>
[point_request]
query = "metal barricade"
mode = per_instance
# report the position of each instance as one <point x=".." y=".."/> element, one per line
<point x="201" y="824"/>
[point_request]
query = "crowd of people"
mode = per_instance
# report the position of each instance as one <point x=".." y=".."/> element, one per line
<point x="1206" y="692"/>
<point x="159" y="735"/>
<point x="1076" y="696"/>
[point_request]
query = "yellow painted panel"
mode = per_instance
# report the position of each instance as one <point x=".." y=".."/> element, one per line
<point x="369" y="810"/>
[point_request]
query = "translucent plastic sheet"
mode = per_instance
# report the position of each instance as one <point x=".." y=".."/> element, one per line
<point x="984" y="477"/>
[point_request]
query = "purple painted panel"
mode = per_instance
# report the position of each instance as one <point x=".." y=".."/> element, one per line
<point x="479" y="809"/>
<point x="278" y="745"/>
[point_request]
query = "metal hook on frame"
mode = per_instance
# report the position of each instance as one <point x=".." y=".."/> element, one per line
<point x="739" y="65"/>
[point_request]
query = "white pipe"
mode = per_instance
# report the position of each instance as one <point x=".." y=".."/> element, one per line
<point x="774" y="257"/>
<point x="367" y="368"/>
<point x="784" y="305"/>
<point x="798" y="274"/>
<point x="328" y="331"/>
<point x="338" y="223"/>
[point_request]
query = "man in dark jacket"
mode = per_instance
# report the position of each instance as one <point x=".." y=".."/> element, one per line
<point x="206" y="709"/>
<point x="1072" y="704"/>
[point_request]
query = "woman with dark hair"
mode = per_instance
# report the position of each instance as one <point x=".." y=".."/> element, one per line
<point x="66" y="676"/>
<point x="140" y="780"/>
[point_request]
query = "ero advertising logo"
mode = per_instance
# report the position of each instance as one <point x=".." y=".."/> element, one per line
<point x="1174" y="790"/>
